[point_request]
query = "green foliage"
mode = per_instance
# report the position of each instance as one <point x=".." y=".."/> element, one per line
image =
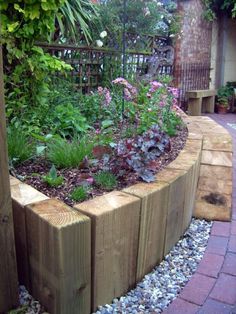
<point x="106" y="180"/>
<point x="223" y="95"/>
<point x="52" y="179"/>
<point x="20" y="148"/>
<point x="171" y="121"/>
<point x="68" y="121"/>
<point x="66" y="154"/>
<point x="79" y="194"/>
<point x="143" y="17"/>
<point x="73" y="20"/>
<point x="27" y="66"/>
<point x="213" y="7"/>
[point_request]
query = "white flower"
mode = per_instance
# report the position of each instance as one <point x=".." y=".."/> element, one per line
<point x="146" y="11"/>
<point x="99" y="43"/>
<point x="103" y="34"/>
<point x="172" y="35"/>
<point x="162" y="16"/>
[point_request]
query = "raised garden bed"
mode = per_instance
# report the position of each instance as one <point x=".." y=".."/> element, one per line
<point x="112" y="241"/>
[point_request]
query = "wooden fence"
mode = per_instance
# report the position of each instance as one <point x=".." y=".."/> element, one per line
<point x="94" y="66"/>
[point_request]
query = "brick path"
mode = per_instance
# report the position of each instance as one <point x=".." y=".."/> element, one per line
<point x="212" y="289"/>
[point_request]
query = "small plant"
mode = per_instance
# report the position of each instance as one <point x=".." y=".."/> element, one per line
<point x="66" y="154"/>
<point x="223" y="95"/>
<point x="106" y="180"/>
<point x="79" y="194"/>
<point x="20" y="148"/>
<point x="139" y="153"/>
<point x="52" y="179"/>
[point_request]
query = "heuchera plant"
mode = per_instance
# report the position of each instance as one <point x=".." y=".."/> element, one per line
<point x="139" y="153"/>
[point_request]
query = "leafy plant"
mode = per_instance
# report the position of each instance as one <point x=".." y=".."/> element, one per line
<point x="171" y="121"/>
<point x="213" y="8"/>
<point x="139" y="153"/>
<point x="27" y="66"/>
<point x="66" y="154"/>
<point x="68" y="121"/>
<point x="73" y="20"/>
<point x="52" y="179"/>
<point x="106" y="180"/>
<point x="79" y="194"/>
<point x="20" y="147"/>
<point x="223" y="95"/>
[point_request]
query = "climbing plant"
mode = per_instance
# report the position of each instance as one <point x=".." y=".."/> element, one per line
<point x="213" y="7"/>
<point x="27" y="66"/>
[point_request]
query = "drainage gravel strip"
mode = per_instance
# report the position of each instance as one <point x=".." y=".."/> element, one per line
<point x="156" y="291"/>
<point x="160" y="287"/>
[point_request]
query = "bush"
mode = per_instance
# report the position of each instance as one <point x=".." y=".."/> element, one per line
<point x="66" y="154"/>
<point x="20" y="148"/>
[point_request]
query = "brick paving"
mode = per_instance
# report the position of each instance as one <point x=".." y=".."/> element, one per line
<point x="212" y="289"/>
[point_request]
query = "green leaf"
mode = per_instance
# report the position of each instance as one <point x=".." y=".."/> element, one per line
<point x="12" y="27"/>
<point x="107" y="123"/>
<point x="53" y="172"/>
<point x="40" y="150"/>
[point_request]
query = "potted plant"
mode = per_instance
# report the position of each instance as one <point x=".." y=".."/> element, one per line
<point x="223" y="94"/>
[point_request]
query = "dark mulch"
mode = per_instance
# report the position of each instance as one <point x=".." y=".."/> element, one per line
<point x="33" y="170"/>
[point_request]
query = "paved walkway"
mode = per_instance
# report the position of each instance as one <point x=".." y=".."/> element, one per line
<point x="212" y="289"/>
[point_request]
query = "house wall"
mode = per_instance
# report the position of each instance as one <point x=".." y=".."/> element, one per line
<point x="223" y="52"/>
<point x="229" y="58"/>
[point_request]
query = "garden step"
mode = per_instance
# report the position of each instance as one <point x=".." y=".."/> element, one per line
<point x="214" y="195"/>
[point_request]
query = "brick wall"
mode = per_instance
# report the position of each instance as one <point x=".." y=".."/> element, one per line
<point x="193" y="48"/>
<point x="195" y="42"/>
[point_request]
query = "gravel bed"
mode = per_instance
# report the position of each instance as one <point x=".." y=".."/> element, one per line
<point x="160" y="287"/>
<point x="156" y="291"/>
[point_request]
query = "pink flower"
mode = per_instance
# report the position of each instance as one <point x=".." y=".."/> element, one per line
<point x="127" y="94"/>
<point x="174" y="91"/>
<point x="107" y="96"/>
<point x="100" y="90"/>
<point x="130" y="91"/>
<point x="97" y="131"/>
<point x="154" y="86"/>
<point x="162" y="104"/>
<point x="121" y="81"/>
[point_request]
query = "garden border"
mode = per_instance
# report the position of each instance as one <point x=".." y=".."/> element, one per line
<point x="115" y="239"/>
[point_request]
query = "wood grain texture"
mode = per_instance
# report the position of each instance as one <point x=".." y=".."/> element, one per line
<point x="8" y="270"/>
<point x="217" y="158"/>
<point x="22" y="195"/>
<point x="59" y="246"/>
<point x="115" y="230"/>
<point x="174" y="224"/>
<point x="154" y="200"/>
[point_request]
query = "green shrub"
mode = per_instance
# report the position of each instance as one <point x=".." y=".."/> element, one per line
<point x="68" y="121"/>
<point x="106" y="180"/>
<point x="66" y="154"/>
<point x="79" y="194"/>
<point x="20" y="148"/>
<point x="52" y="179"/>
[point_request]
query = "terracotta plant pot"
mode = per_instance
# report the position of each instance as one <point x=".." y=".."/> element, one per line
<point x="222" y="109"/>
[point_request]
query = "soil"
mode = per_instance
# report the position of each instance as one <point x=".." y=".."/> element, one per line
<point x="31" y="172"/>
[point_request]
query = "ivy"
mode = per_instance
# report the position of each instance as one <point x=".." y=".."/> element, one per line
<point x="213" y="7"/>
<point x="27" y="66"/>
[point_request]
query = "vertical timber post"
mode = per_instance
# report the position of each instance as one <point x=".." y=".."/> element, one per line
<point x="8" y="270"/>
